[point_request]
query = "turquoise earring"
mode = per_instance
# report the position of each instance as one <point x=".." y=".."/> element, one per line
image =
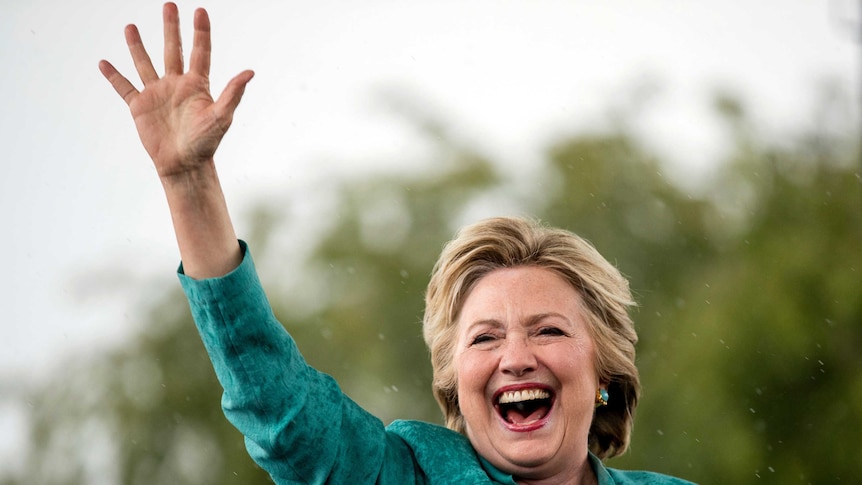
<point x="601" y="397"/>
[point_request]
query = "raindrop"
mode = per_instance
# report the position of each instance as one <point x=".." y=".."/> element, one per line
<point x="752" y="410"/>
<point x="660" y="432"/>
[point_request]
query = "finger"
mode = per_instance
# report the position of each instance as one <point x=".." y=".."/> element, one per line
<point x="202" y="47"/>
<point x="142" y="61"/>
<point x="231" y="96"/>
<point x="173" y="43"/>
<point x="121" y="85"/>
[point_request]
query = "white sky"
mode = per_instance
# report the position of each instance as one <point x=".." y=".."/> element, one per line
<point x="78" y="196"/>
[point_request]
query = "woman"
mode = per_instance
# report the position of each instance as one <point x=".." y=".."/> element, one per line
<point x="531" y="343"/>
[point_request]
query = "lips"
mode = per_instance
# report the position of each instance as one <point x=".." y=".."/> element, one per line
<point x="524" y="407"/>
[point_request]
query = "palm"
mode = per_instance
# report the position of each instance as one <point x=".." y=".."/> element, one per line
<point x="179" y="123"/>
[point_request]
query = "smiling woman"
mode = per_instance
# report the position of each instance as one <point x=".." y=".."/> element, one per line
<point x="593" y="310"/>
<point x="531" y="343"/>
<point x="532" y="348"/>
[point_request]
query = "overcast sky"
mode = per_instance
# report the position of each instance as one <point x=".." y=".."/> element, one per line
<point x="78" y="195"/>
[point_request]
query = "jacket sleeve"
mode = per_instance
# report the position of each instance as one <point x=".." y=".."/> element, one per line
<point x="297" y="423"/>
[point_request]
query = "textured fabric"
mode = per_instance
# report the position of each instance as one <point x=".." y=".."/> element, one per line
<point x="301" y="428"/>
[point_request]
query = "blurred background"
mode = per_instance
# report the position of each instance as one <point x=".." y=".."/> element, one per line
<point x="709" y="149"/>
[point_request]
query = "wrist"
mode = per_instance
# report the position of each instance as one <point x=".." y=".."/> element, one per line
<point x="201" y="177"/>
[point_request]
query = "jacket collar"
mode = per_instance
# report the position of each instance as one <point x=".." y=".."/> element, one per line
<point x="447" y="457"/>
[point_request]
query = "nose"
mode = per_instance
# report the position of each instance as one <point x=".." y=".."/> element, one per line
<point x="518" y="358"/>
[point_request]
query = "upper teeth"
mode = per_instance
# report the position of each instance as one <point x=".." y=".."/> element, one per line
<point x="525" y="395"/>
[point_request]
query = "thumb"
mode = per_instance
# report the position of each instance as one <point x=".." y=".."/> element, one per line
<point x="229" y="99"/>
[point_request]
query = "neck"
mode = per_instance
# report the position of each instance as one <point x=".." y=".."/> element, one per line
<point x="583" y="474"/>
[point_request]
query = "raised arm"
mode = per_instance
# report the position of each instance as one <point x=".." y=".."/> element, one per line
<point x="181" y="126"/>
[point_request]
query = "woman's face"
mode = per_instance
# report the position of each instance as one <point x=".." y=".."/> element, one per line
<point x="526" y="375"/>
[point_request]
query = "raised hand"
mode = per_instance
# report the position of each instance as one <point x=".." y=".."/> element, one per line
<point x="179" y="123"/>
<point x="181" y="126"/>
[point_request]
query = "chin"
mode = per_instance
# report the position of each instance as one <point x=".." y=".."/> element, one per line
<point x="527" y="455"/>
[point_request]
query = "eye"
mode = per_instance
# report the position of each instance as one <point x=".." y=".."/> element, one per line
<point x="485" y="337"/>
<point x="551" y="331"/>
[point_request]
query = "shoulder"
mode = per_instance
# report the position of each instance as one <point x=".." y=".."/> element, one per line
<point x="432" y="440"/>
<point x="626" y="477"/>
<point x="445" y="457"/>
<point x="612" y="476"/>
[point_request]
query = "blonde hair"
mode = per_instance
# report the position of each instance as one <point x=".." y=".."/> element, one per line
<point x="497" y="243"/>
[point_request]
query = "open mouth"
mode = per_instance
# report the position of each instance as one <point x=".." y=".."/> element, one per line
<point x="524" y="407"/>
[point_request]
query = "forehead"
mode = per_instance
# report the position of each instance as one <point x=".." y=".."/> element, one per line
<point x="520" y="289"/>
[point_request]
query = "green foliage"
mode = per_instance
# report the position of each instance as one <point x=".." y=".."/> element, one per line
<point x="147" y="414"/>
<point x="767" y="334"/>
<point x="749" y="316"/>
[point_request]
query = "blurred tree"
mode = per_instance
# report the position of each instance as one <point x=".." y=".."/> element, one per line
<point x="749" y="317"/>
<point x="764" y="367"/>
<point x="372" y="267"/>
<point x="149" y="413"/>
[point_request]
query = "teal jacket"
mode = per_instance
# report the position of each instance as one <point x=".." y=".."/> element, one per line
<point x="301" y="428"/>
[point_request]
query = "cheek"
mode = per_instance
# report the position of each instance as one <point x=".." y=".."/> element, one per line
<point x="472" y="371"/>
<point x="578" y="364"/>
<point x="473" y="374"/>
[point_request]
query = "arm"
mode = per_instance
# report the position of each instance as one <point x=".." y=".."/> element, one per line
<point x="298" y="424"/>
<point x="180" y="126"/>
